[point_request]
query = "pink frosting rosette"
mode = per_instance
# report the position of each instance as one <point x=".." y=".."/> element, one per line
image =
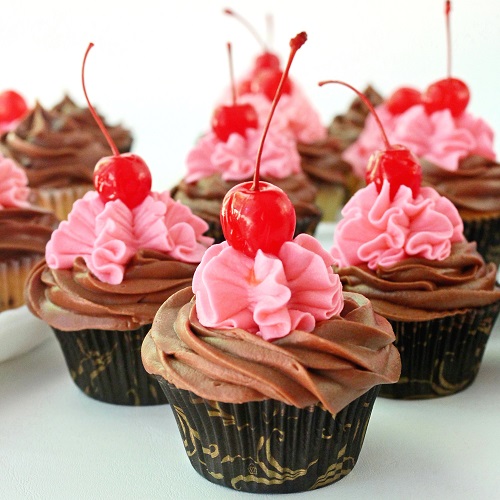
<point x="267" y="295"/>
<point x="377" y="231"/>
<point x="438" y="137"/>
<point x="14" y="189"/>
<point x="107" y="235"/>
<point x="234" y="159"/>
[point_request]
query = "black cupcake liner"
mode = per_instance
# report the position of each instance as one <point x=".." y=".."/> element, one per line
<point x="107" y="366"/>
<point x="486" y="233"/>
<point x="442" y="356"/>
<point x="268" y="446"/>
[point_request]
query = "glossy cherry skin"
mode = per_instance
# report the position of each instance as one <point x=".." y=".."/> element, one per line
<point x="237" y="118"/>
<point x="450" y="93"/>
<point x="396" y="165"/>
<point x="267" y="60"/>
<point x="125" y="177"/>
<point x="12" y="106"/>
<point x="403" y="99"/>
<point x="266" y="82"/>
<point x="253" y="220"/>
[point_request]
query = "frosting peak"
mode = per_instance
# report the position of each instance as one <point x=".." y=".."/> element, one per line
<point x="267" y="295"/>
<point x="14" y="189"/>
<point x="379" y="232"/>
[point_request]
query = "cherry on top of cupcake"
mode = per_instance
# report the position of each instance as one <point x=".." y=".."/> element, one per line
<point x="448" y="93"/>
<point x="13" y="107"/>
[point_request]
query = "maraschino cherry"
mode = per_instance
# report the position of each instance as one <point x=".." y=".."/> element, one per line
<point x="12" y="106"/>
<point x="449" y="93"/>
<point x="236" y="118"/>
<point x="267" y="73"/>
<point x="124" y="177"/>
<point x="257" y="215"/>
<point x="403" y="99"/>
<point x="395" y="163"/>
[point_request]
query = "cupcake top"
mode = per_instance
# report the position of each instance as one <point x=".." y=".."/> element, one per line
<point x="53" y="149"/>
<point x="23" y="229"/>
<point x="120" y="135"/>
<point x="110" y="266"/>
<point x="408" y="254"/>
<point x="271" y="327"/>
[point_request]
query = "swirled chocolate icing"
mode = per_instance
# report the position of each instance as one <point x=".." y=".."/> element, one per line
<point x="24" y="231"/>
<point x="417" y="289"/>
<point x="53" y="149"/>
<point x="74" y="299"/>
<point x="205" y="196"/>
<point x="346" y="128"/>
<point x="475" y="186"/>
<point x="120" y="135"/>
<point x="336" y="363"/>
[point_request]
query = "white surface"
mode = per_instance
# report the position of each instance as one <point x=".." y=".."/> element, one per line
<point x="56" y="443"/>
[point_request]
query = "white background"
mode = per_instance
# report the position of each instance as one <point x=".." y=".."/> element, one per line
<point x="159" y="66"/>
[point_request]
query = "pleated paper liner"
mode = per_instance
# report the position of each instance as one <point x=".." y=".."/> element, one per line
<point x="485" y="231"/>
<point x="442" y="356"/>
<point x="331" y="198"/>
<point x="13" y="274"/>
<point x="107" y="366"/>
<point x="59" y="200"/>
<point x="268" y="446"/>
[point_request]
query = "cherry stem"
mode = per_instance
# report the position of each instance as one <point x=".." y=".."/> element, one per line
<point x="367" y="103"/>
<point x="447" y="9"/>
<point x="295" y="44"/>
<point x="270" y="30"/>
<point x="231" y="72"/>
<point x="249" y="27"/>
<point x="97" y="118"/>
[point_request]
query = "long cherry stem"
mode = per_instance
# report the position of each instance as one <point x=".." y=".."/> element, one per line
<point x="367" y="103"/>
<point x="249" y="27"/>
<point x="295" y="44"/>
<point x="97" y="118"/>
<point x="447" y="9"/>
<point x="231" y="72"/>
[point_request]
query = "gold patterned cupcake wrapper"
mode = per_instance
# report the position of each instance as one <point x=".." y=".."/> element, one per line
<point x="442" y="356"/>
<point x="107" y="366"/>
<point x="486" y="233"/>
<point x="268" y="446"/>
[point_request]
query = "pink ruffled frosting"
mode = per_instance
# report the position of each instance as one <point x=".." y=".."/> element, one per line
<point x="14" y="189"/>
<point x="377" y="231"/>
<point x="439" y="137"/>
<point x="235" y="159"/>
<point x="267" y="295"/>
<point x="108" y="235"/>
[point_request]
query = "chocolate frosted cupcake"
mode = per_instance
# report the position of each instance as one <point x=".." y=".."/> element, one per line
<point x="275" y="371"/>
<point x="408" y="255"/>
<point x="57" y="155"/>
<point x="24" y="232"/>
<point x="121" y="136"/>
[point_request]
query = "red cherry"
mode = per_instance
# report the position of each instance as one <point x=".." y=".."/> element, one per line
<point x="450" y="93"/>
<point x="124" y="177"/>
<point x="258" y="215"/>
<point x="267" y="60"/>
<point x="235" y="119"/>
<point x="266" y="82"/>
<point x="395" y="164"/>
<point x="12" y="106"/>
<point x="402" y="99"/>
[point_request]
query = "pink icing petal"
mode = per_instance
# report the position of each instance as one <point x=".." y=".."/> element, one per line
<point x="14" y="191"/>
<point x="198" y="162"/>
<point x="234" y="159"/>
<point x="149" y="225"/>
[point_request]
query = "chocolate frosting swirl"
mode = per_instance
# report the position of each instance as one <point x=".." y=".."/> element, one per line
<point x="121" y="136"/>
<point x="347" y="127"/>
<point x="74" y="299"/>
<point x="475" y="186"/>
<point x="418" y="289"/>
<point x="336" y="363"/>
<point x="24" y="231"/>
<point x="205" y="196"/>
<point x="53" y="149"/>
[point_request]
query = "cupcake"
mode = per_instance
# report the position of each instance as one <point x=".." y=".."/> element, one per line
<point x="225" y="156"/>
<point x="270" y="369"/>
<point x="122" y="252"/>
<point x="57" y="155"/>
<point x="121" y="136"/>
<point x="24" y="232"/>
<point x="403" y="247"/>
